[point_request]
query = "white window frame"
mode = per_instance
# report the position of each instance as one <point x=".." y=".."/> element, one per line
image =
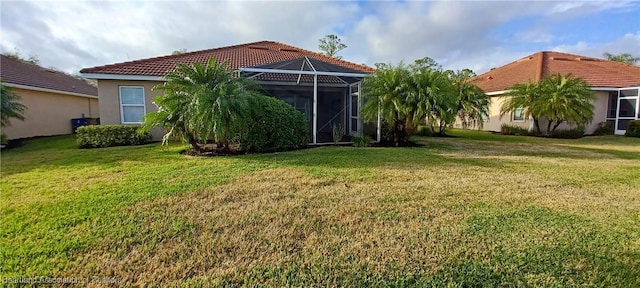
<point x="122" y="105"/>
<point x="355" y="131"/>
<point x="513" y="115"/>
<point x="636" y="114"/>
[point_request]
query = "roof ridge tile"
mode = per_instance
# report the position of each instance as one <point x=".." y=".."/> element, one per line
<point x="236" y="55"/>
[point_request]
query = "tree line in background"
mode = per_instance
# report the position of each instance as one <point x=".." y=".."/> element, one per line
<point x="623" y="58"/>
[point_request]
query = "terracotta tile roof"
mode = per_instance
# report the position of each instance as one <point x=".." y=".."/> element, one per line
<point x="238" y="56"/>
<point x="18" y="72"/>
<point x="596" y="72"/>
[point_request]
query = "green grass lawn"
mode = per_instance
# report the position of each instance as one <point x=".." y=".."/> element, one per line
<point x="474" y="210"/>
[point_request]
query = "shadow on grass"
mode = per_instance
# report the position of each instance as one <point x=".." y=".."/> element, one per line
<point x="61" y="151"/>
<point x="615" y="153"/>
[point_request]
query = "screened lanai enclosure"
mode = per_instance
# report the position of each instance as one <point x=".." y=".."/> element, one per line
<point x="327" y="94"/>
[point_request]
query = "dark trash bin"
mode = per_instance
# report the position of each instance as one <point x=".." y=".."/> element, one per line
<point x="79" y="122"/>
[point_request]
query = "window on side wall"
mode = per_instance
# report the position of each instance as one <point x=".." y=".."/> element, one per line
<point x="131" y="104"/>
<point x="518" y="115"/>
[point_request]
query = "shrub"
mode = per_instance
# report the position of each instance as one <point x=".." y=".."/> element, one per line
<point x="3" y="138"/>
<point x="96" y="136"/>
<point x="574" y="133"/>
<point x="361" y="141"/>
<point x="274" y="126"/>
<point x="633" y="129"/>
<point x="506" y="129"/>
<point x="604" y="128"/>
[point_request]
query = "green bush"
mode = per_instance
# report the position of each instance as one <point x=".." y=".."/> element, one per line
<point x="361" y="141"/>
<point x="274" y="126"/>
<point x="97" y="136"/>
<point x="574" y="133"/>
<point x="633" y="129"/>
<point x="506" y="129"/>
<point x="604" y="128"/>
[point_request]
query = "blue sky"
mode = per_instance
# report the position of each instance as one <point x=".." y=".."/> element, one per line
<point x="71" y="35"/>
<point x="602" y="27"/>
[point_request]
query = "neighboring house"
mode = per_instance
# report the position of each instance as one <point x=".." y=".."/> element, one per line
<point x="52" y="98"/>
<point x="325" y="89"/>
<point x="615" y="85"/>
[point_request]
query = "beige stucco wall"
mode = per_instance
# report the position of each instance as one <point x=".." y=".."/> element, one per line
<point x="49" y="113"/>
<point x="600" y="110"/>
<point x="108" y="91"/>
<point x="494" y="122"/>
<point x="600" y="103"/>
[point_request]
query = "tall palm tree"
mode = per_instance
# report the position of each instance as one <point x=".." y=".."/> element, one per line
<point x="10" y="106"/>
<point x="386" y="93"/>
<point x="202" y="102"/>
<point x="473" y="103"/>
<point x="432" y="97"/>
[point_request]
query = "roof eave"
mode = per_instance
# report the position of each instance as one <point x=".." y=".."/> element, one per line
<point x="26" y="87"/>
<point x="261" y="70"/>
<point x="104" y="76"/>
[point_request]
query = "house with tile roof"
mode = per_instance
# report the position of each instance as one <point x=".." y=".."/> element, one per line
<point x="323" y="88"/>
<point x="615" y="85"/>
<point x="52" y="99"/>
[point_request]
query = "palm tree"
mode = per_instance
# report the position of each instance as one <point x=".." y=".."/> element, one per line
<point x="432" y="99"/>
<point x="385" y="93"/>
<point x="523" y="96"/>
<point x="557" y="98"/>
<point x="11" y="106"/>
<point x="565" y="98"/>
<point x="473" y="103"/>
<point x="202" y="102"/>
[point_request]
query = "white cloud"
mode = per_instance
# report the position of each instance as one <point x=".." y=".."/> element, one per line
<point x="578" y="47"/>
<point x="584" y="7"/>
<point x="629" y="43"/>
<point x="73" y="35"/>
